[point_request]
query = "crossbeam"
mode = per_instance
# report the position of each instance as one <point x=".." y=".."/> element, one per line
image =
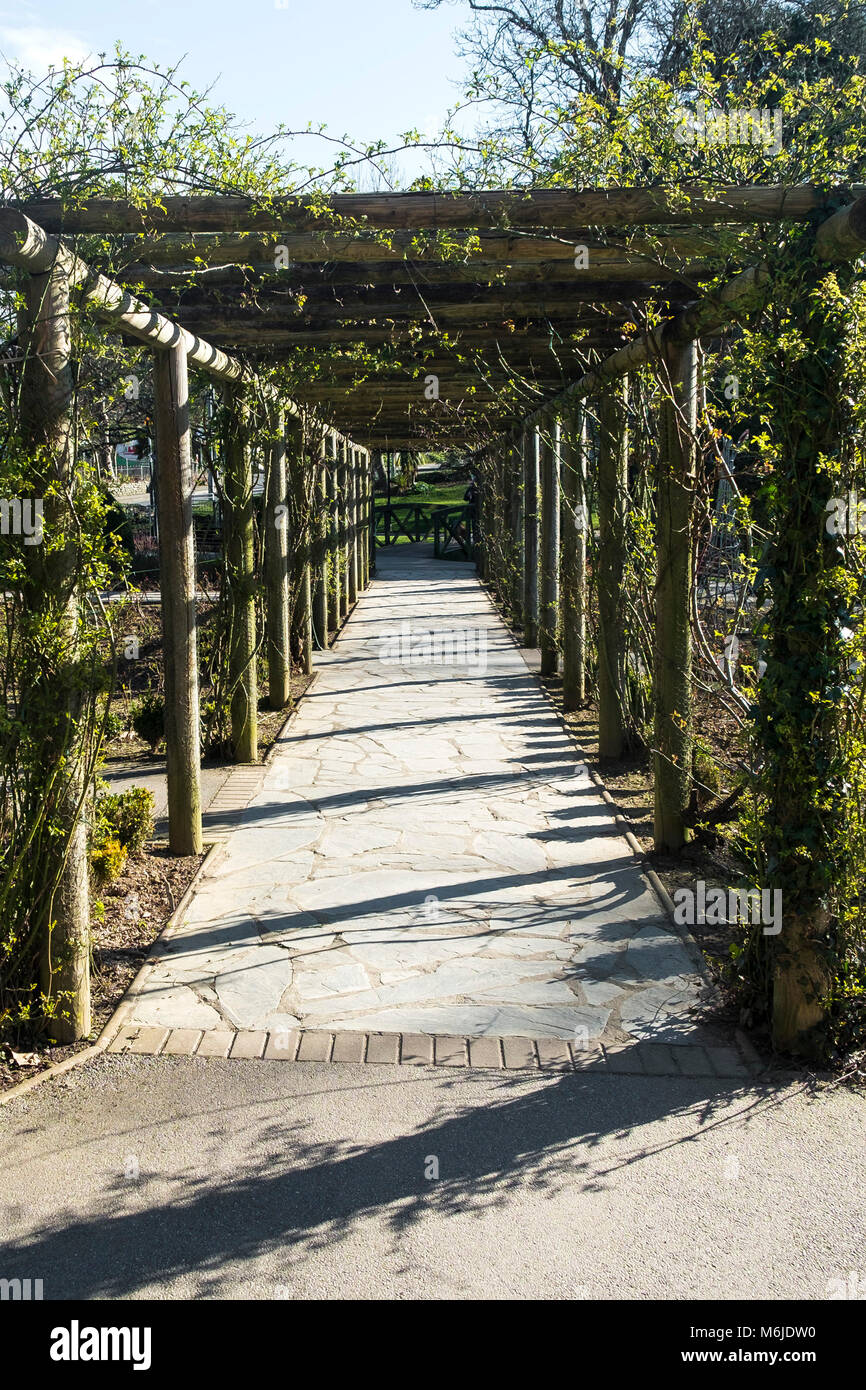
<point x="564" y="208"/>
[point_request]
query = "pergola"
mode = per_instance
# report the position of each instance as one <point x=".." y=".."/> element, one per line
<point x="518" y="305"/>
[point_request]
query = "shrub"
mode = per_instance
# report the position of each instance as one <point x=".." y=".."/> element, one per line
<point x="134" y="818"/>
<point x="112" y="726"/>
<point x="122" y="824"/>
<point x="148" y="719"/>
<point x="107" y="861"/>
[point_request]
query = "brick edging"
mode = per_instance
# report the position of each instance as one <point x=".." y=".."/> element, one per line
<point x="707" y="1061"/>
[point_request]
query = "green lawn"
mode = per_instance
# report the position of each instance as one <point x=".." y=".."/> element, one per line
<point x="434" y="496"/>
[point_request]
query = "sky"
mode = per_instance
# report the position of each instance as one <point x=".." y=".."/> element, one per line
<point x="373" y="68"/>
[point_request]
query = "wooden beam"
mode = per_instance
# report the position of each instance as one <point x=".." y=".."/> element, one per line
<point x="838" y="239"/>
<point x="661" y="258"/>
<point x="843" y="236"/>
<point x="25" y="245"/>
<point x="566" y="208"/>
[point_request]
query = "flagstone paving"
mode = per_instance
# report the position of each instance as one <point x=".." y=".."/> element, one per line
<point x="427" y="854"/>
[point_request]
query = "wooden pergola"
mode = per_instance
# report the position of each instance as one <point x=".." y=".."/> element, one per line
<point x="518" y="305"/>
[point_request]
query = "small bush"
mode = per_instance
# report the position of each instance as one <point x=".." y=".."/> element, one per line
<point x="134" y="818"/>
<point x="112" y="726"/>
<point x="148" y="719"/>
<point x="122" y="825"/>
<point x="107" y="861"/>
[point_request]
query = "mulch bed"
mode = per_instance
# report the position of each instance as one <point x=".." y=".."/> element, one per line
<point x="135" y="907"/>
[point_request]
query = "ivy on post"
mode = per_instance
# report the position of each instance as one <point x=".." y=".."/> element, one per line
<point x="612" y="508"/>
<point x="573" y="526"/>
<point x="59" y="883"/>
<point x="529" y="450"/>
<point x="276" y="562"/>
<point x="240" y="574"/>
<point x="178" y="598"/>
<point x="549" y="438"/>
<point x="302" y="621"/>
<point x="672" y="684"/>
<point x="808" y="721"/>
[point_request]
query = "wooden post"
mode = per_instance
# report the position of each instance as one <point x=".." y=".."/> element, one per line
<point x="363" y="514"/>
<point x="376" y="468"/>
<point x="177" y="596"/>
<point x="240" y="572"/>
<point x="612" y="509"/>
<point x="352" y="488"/>
<point x="369" y="550"/>
<point x="516" y="522"/>
<point x="277" y="567"/>
<point x="60" y="877"/>
<point x="529" y="449"/>
<point x="672" y="686"/>
<point x="343" y="526"/>
<point x="319" y="553"/>
<point x="574" y="524"/>
<point x="333" y="548"/>
<point x="302" y="618"/>
<point x="549" y="437"/>
<point x="363" y="503"/>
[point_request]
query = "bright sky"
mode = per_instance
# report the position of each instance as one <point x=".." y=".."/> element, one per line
<point x="369" y="67"/>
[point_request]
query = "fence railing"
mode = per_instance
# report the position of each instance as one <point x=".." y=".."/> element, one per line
<point x="449" y="527"/>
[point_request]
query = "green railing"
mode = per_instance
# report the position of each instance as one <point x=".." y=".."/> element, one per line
<point x="449" y="527"/>
<point x="453" y="532"/>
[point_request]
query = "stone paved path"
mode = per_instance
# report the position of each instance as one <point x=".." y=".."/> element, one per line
<point x="427" y="854"/>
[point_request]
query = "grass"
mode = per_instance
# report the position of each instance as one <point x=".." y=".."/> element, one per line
<point x="434" y="496"/>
